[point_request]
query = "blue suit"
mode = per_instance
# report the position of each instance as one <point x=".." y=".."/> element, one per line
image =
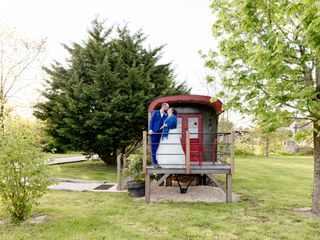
<point x="156" y="123"/>
<point x="171" y="124"/>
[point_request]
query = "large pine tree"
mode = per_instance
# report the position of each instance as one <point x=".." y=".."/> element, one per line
<point x="97" y="103"/>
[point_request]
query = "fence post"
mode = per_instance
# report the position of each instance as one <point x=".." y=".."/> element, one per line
<point x="187" y="152"/>
<point x="232" y="147"/>
<point x="144" y="149"/>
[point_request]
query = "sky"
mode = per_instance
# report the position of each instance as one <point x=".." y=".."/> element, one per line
<point x="183" y="26"/>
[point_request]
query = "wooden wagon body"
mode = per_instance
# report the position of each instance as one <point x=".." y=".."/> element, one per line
<point x="207" y="152"/>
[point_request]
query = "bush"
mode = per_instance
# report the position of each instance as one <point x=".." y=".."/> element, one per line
<point x="53" y="146"/>
<point x="48" y="143"/>
<point x="134" y="167"/>
<point x="24" y="175"/>
<point x="306" y="150"/>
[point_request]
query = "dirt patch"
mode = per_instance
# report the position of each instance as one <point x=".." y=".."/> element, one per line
<point x="32" y="220"/>
<point x="305" y="212"/>
<point x="194" y="194"/>
<point x="37" y="219"/>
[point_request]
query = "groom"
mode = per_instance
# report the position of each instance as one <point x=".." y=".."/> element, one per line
<point x="156" y="122"/>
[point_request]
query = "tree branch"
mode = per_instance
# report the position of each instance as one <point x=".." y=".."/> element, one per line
<point x="15" y="78"/>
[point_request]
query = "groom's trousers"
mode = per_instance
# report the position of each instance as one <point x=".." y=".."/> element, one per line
<point x="155" y="140"/>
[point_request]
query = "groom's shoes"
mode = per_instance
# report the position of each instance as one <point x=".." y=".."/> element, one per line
<point x="157" y="166"/>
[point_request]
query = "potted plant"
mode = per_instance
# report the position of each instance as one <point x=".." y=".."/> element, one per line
<point x="136" y="186"/>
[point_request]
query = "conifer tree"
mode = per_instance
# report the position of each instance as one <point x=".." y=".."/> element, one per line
<point x="98" y="103"/>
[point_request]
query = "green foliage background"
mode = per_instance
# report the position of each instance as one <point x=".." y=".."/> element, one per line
<point x="98" y="102"/>
<point x="269" y="59"/>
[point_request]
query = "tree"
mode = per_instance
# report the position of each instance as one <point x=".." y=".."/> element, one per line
<point x="270" y="141"/>
<point x="24" y="174"/>
<point x="269" y="58"/>
<point x="225" y="125"/>
<point x="98" y="103"/>
<point x="18" y="54"/>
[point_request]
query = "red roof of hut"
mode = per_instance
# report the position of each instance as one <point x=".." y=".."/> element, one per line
<point x="216" y="105"/>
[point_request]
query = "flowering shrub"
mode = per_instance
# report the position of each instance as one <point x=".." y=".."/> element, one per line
<point x="23" y="171"/>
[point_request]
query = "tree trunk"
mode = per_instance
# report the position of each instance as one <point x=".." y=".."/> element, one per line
<point x="267" y="148"/>
<point x="316" y="145"/>
<point x="107" y="158"/>
<point x="1" y="114"/>
<point x="316" y="173"/>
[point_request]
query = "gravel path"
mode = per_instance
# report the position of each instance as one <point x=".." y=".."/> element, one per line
<point x="62" y="160"/>
<point x="77" y="185"/>
<point x="194" y="194"/>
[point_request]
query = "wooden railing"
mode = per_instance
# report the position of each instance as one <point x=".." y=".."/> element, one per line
<point x="232" y="148"/>
<point x="221" y="148"/>
<point x="187" y="152"/>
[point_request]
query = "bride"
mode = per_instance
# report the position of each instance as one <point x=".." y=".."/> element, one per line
<point x="170" y="153"/>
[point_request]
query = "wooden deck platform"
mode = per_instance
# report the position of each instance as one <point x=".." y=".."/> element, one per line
<point x="205" y="169"/>
<point x="194" y="169"/>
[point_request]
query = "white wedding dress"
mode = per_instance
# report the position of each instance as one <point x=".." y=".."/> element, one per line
<point x="170" y="153"/>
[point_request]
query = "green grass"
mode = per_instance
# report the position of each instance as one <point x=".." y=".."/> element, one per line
<point x="88" y="170"/>
<point x="269" y="189"/>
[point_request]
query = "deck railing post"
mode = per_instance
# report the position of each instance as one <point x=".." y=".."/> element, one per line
<point x="232" y="147"/>
<point x="187" y="152"/>
<point x="144" y="154"/>
<point x="224" y="149"/>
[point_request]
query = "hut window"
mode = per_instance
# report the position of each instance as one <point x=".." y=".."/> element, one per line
<point x="193" y="127"/>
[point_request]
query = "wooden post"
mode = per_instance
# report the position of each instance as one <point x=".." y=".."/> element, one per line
<point x="229" y="188"/>
<point x="224" y="149"/>
<point x="147" y="188"/>
<point x="233" y="136"/>
<point x="144" y="154"/>
<point x="118" y="173"/>
<point x="187" y="152"/>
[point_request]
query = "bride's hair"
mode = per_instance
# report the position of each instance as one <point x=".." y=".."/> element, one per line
<point x="174" y="111"/>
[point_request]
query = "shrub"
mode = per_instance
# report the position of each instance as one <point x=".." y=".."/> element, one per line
<point x="53" y="146"/>
<point x="24" y="175"/>
<point x="134" y="167"/>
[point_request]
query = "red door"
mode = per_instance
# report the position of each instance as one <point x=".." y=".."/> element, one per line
<point x="192" y="123"/>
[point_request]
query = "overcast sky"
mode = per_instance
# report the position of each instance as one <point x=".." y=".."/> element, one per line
<point x="184" y="26"/>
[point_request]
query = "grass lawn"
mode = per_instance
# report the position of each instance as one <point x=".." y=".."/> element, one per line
<point x="269" y="189"/>
<point x="88" y="170"/>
